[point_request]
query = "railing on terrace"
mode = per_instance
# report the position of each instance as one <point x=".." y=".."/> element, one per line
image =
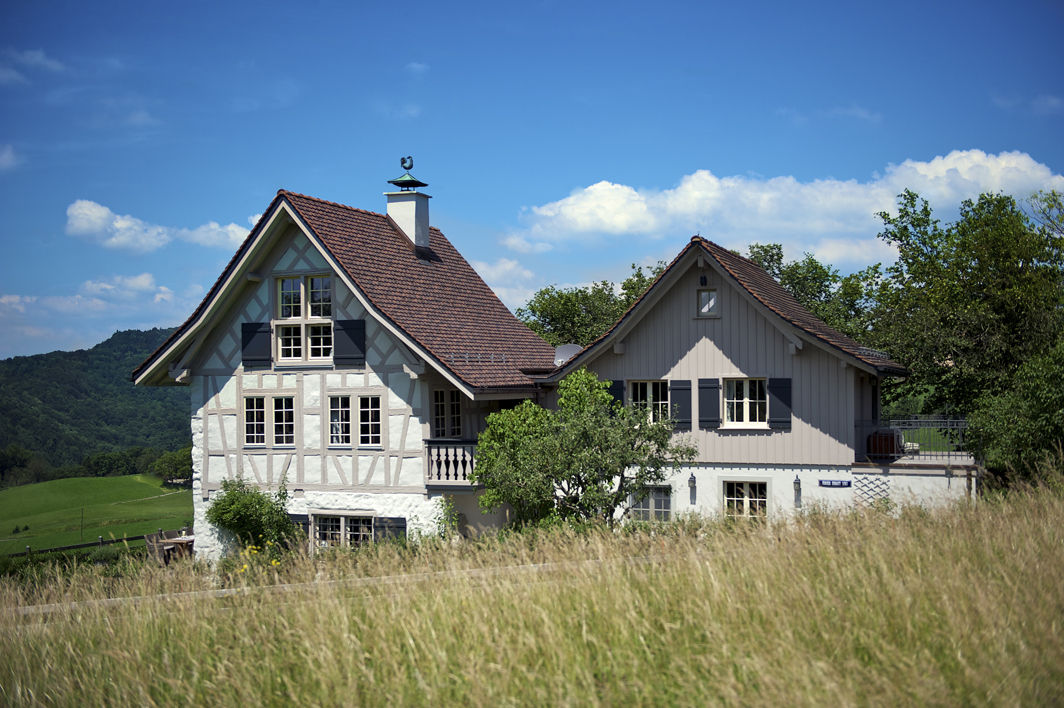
<point x="916" y="439"/>
<point x="449" y="462"/>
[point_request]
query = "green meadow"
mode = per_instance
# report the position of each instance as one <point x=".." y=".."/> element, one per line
<point x="959" y="606"/>
<point x="64" y="512"/>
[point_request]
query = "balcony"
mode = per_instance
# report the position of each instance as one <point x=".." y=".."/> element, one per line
<point x="449" y="462"/>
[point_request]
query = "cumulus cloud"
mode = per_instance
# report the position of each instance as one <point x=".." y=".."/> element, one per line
<point x="510" y="280"/>
<point x="98" y="223"/>
<point x="834" y="219"/>
<point x="9" y="159"/>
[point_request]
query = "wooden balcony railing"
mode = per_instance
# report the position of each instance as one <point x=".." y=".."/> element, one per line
<point x="449" y="462"/>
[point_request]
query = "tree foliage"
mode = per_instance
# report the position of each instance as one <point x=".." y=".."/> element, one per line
<point x="584" y="460"/>
<point x="579" y="315"/>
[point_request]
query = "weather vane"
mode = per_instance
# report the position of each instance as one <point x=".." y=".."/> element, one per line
<point x="407" y="163"/>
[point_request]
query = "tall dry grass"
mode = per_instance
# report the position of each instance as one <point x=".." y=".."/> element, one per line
<point x="958" y="606"/>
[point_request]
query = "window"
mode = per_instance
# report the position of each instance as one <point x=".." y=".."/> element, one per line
<point x="341" y="530"/>
<point x="339" y="420"/>
<point x="255" y="421"/>
<point x="746" y="499"/>
<point x="707" y="303"/>
<point x="284" y="421"/>
<point x="304" y="312"/>
<point x="369" y="420"/>
<point x="446" y="414"/>
<point x="654" y="395"/>
<point x="745" y="401"/>
<point x="655" y="505"/>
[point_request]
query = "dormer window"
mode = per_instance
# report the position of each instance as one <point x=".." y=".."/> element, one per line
<point x="304" y="328"/>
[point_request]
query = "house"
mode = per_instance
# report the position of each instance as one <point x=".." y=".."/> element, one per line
<point x="781" y="408"/>
<point x="355" y="356"/>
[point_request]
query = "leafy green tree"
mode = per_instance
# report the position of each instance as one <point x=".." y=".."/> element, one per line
<point x="579" y="315"/>
<point x="252" y="515"/>
<point x="586" y="460"/>
<point x="966" y="304"/>
<point x="1022" y="428"/>
<point x="174" y="465"/>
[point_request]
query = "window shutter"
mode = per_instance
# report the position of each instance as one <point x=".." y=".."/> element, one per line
<point x="255" y="341"/>
<point x="708" y="404"/>
<point x="388" y="527"/>
<point x="349" y="343"/>
<point x="617" y="390"/>
<point x="680" y="404"/>
<point x="779" y="404"/>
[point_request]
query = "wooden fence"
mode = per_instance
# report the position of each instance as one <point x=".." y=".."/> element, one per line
<point x="100" y="542"/>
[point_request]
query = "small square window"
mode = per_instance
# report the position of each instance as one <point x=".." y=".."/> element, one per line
<point x="745" y="401"/>
<point x="654" y="396"/>
<point x="655" y="505"/>
<point x="746" y="499"/>
<point x="707" y="303"/>
<point x="320" y="337"/>
<point x="290" y="340"/>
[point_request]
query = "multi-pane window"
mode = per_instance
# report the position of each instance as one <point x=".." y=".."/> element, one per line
<point x="446" y="414"/>
<point x="746" y="499"/>
<point x="255" y="421"/>
<point x="342" y="530"/>
<point x="707" y="302"/>
<point x="654" y="396"/>
<point x="304" y="313"/>
<point x="745" y="401"/>
<point x="284" y="421"/>
<point x="655" y="505"/>
<point x="339" y="420"/>
<point x="369" y="420"/>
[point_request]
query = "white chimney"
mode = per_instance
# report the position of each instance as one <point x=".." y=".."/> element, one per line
<point x="409" y="208"/>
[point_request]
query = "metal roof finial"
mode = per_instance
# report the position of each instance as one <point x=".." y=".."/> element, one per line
<point x="407" y="183"/>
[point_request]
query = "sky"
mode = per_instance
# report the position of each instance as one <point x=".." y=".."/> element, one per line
<point x="561" y="141"/>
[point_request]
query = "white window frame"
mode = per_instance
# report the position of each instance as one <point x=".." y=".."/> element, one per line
<point x="340" y="421"/>
<point x="370" y="431"/>
<point x="284" y="431"/>
<point x="343" y="529"/>
<point x="739" y="410"/>
<point x="655" y="505"/>
<point x="303" y="329"/>
<point x="265" y="420"/>
<point x="654" y="394"/>
<point x="255" y="423"/>
<point x="741" y="503"/>
<point x="446" y="413"/>
<point x="714" y="303"/>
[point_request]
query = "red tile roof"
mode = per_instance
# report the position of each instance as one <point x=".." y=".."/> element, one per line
<point x="433" y="296"/>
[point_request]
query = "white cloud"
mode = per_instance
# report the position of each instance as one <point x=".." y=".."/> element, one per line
<point x="16" y="303"/>
<point x="121" y="285"/>
<point x="858" y="112"/>
<point x="9" y="76"/>
<point x="254" y="219"/>
<point x="1047" y="105"/>
<point x="417" y="68"/>
<point x="96" y="222"/>
<point x="9" y="159"/>
<point x="36" y="59"/>
<point x="140" y="118"/>
<point x="510" y="280"/>
<point x="827" y="217"/>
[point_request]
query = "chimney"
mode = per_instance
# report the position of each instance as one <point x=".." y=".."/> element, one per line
<point x="408" y="207"/>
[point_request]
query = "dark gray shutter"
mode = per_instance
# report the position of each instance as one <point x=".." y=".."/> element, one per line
<point x="255" y="343"/>
<point x="385" y="527"/>
<point x="680" y="404"/>
<point x="349" y="343"/>
<point x="617" y="390"/>
<point x="779" y="404"/>
<point x="708" y="404"/>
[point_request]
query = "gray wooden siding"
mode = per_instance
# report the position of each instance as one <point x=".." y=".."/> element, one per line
<point x="670" y="342"/>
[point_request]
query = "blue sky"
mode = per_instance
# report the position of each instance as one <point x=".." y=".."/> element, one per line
<point x="561" y="141"/>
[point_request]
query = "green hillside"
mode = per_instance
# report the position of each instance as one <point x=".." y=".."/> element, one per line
<point x="68" y="405"/>
<point x="112" y="507"/>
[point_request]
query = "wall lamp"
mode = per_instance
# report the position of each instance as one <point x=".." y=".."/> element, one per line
<point x="797" y="492"/>
<point x="691" y="481"/>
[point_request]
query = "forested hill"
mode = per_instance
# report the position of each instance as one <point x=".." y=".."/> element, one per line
<point x="68" y="405"/>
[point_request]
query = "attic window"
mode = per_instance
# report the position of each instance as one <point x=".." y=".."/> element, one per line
<point x="707" y="303"/>
<point x="303" y="327"/>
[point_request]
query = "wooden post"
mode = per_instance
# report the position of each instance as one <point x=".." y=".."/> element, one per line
<point x="100" y="540"/>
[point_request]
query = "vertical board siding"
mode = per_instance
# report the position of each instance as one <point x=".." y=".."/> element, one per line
<point x="671" y="343"/>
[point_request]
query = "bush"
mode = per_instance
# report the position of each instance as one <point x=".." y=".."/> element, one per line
<point x="253" y="516"/>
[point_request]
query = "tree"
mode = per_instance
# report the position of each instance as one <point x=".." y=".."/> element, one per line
<point x="1022" y="428"/>
<point x="174" y="465"/>
<point x="966" y="304"/>
<point x="586" y="460"/>
<point x="579" y="315"/>
<point x="253" y="516"/>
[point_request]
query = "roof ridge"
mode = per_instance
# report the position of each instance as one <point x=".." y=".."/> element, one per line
<point x="289" y="193"/>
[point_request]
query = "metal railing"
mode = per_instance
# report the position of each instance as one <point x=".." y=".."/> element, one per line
<point x="935" y="439"/>
<point x="450" y="462"/>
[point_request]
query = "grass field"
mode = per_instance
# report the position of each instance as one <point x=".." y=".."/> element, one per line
<point x="954" y="607"/>
<point x="113" y="507"/>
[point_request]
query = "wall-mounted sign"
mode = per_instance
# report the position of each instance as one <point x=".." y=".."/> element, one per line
<point x="834" y="483"/>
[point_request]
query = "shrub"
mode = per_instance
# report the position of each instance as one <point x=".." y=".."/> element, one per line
<point x="252" y="515"/>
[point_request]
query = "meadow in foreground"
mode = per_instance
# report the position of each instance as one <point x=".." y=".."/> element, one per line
<point x="963" y="605"/>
